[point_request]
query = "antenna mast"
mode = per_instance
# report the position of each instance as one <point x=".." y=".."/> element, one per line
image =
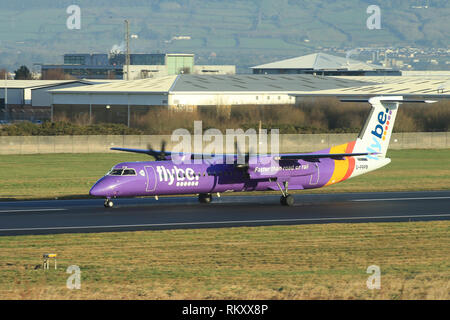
<point x="127" y="57"/>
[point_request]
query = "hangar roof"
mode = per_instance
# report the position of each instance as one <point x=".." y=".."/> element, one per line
<point x="25" y="84"/>
<point x="220" y="83"/>
<point x="320" y="61"/>
<point x="257" y="83"/>
<point x="298" y="84"/>
<point x="404" y="86"/>
<point x="160" y="84"/>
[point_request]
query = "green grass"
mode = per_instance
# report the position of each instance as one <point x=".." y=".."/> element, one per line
<point x="71" y="175"/>
<point x="55" y="175"/>
<point x="278" y="262"/>
<point x="410" y="170"/>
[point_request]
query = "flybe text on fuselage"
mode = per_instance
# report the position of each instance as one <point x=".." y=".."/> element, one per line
<point x="379" y="132"/>
<point x="170" y="175"/>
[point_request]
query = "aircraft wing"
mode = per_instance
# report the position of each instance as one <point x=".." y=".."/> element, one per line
<point x="312" y="156"/>
<point x="168" y="154"/>
<point x="289" y="156"/>
<point x="133" y="150"/>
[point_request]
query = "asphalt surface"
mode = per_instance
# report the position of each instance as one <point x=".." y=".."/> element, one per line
<point x="74" y="216"/>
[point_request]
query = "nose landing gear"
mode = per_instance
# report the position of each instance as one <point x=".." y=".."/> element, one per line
<point x="204" y="197"/>
<point x="108" y="203"/>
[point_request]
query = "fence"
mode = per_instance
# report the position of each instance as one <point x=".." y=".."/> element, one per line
<point x="288" y="142"/>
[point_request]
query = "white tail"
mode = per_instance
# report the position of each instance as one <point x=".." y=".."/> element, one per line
<point x="376" y="133"/>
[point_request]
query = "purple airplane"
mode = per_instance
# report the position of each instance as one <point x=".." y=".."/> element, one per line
<point x="295" y="171"/>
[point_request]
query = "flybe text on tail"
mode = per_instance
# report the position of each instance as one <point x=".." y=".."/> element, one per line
<point x="379" y="132"/>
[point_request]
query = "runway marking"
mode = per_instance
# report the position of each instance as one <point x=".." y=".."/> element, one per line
<point x="31" y="210"/>
<point x="401" y="199"/>
<point x="222" y="222"/>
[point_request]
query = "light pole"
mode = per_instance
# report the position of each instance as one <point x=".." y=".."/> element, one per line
<point x="127" y="38"/>
<point x="6" y="96"/>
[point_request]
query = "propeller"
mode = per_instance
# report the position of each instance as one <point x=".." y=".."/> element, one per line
<point x="239" y="153"/>
<point x="159" y="155"/>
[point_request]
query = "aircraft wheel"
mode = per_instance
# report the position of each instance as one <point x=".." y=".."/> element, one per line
<point x="287" y="200"/>
<point x="108" y="203"/>
<point x="204" y="198"/>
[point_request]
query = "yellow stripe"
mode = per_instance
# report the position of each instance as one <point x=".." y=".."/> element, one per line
<point x="340" y="166"/>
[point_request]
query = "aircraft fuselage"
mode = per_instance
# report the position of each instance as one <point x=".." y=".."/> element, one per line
<point x="152" y="178"/>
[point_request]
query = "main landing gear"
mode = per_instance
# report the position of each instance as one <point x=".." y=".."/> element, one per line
<point x="108" y="203"/>
<point x="286" y="199"/>
<point x="204" y="197"/>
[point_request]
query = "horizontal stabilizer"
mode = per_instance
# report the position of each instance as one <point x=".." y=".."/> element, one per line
<point x="312" y="156"/>
<point x="388" y="99"/>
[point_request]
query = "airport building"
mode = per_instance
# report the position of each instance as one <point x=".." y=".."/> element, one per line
<point x="142" y="66"/>
<point x="195" y="90"/>
<point x="326" y="65"/>
<point x="30" y="99"/>
<point x="121" y="100"/>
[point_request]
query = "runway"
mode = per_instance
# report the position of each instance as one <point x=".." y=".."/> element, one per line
<point x="75" y="216"/>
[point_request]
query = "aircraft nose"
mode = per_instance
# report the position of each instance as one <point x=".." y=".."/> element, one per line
<point x="95" y="191"/>
<point x="100" y="189"/>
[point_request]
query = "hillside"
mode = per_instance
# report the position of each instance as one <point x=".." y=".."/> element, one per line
<point x="238" y="32"/>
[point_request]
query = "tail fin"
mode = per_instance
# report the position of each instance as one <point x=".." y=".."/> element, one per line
<point x="376" y="133"/>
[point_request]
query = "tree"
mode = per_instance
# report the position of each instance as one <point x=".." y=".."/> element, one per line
<point x="111" y="75"/>
<point x="56" y="74"/>
<point x="23" y="73"/>
<point x="3" y="72"/>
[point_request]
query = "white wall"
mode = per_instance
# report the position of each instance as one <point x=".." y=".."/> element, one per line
<point x="427" y="74"/>
<point x="156" y="99"/>
<point x="15" y="96"/>
<point x="138" y="71"/>
<point x="40" y="97"/>
<point x="214" y="69"/>
<point x="232" y="98"/>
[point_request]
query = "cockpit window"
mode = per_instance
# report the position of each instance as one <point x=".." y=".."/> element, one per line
<point x="122" y="172"/>
<point x="115" y="172"/>
<point x="129" y="172"/>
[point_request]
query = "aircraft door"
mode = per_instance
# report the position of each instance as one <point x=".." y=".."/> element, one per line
<point x="315" y="175"/>
<point x="151" y="179"/>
